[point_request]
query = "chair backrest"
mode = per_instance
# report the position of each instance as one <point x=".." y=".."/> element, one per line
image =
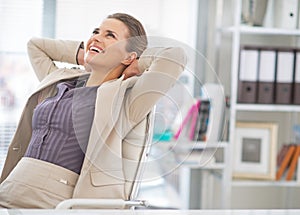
<point x="144" y="155"/>
<point x="137" y="148"/>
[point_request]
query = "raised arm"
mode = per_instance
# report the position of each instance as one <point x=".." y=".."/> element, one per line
<point x="43" y="52"/>
<point x="162" y="67"/>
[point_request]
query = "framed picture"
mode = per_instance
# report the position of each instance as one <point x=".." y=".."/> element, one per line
<point x="255" y="150"/>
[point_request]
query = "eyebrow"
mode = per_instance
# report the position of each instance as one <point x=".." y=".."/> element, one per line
<point x="108" y="31"/>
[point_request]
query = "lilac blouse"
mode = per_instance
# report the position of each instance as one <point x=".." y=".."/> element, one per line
<point x="61" y="126"/>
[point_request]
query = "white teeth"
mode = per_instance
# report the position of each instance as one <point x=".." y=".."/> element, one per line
<point x="96" y="49"/>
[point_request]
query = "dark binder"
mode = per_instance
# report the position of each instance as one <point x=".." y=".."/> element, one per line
<point x="266" y="77"/>
<point x="265" y="93"/>
<point x="247" y="91"/>
<point x="296" y="90"/>
<point x="247" y="85"/>
<point x="202" y="121"/>
<point x="284" y="77"/>
<point x="283" y="93"/>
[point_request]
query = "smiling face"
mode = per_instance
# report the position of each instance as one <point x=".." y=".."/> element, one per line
<point x="106" y="47"/>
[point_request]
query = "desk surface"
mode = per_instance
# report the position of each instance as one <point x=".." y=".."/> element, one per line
<point x="148" y="212"/>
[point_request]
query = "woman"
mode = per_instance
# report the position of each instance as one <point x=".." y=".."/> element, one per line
<point x="79" y="130"/>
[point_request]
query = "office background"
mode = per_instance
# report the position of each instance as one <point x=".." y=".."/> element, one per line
<point x="228" y="39"/>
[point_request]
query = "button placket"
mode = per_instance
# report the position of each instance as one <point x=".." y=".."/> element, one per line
<point x="47" y="126"/>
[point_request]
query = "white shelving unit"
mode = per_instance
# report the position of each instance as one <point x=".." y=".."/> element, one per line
<point x="195" y="145"/>
<point x="249" y="183"/>
<point x="244" y="29"/>
<point x="237" y="31"/>
<point x="190" y="146"/>
<point x="188" y="184"/>
<point x="269" y="108"/>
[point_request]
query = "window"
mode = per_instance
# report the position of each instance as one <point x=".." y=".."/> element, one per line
<point x="70" y="19"/>
<point x="74" y="20"/>
<point x="19" y="20"/>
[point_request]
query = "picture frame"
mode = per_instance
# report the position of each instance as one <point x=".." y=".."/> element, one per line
<point x="255" y="150"/>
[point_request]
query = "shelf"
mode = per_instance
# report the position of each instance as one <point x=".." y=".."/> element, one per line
<point x="253" y="183"/>
<point x="271" y="107"/>
<point x="228" y="44"/>
<point x="215" y="166"/>
<point x="244" y="29"/>
<point x="193" y="144"/>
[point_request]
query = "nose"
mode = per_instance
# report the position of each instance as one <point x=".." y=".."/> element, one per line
<point x="98" y="37"/>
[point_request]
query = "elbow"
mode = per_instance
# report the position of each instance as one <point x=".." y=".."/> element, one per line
<point x="30" y="42"/>
<point x="31" y="45"/>
<point x="181" y="56"/>
<point x="177" y="55"/>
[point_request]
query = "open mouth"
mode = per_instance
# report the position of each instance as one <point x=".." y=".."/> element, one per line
<point x="96" y="49"/>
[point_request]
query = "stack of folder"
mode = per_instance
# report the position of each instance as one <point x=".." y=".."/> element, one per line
<point x="204" y="118"/>
<point x="287" y="160"/>
<point x="269" y="76"/>
<point x="195" y="123"/>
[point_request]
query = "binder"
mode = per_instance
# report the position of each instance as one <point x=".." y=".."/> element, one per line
<point x="285" y="162"/>
<point x="198" y="121"/>
<point x="298" y="171"/>
<point x="282" y="153"/>
<point x="284" y="77"/>
<point x="294" y="161"/>
<point x="203" y="120"/>
<point x="248" y="76"/>
<point x="286" y="14"/>
<point x="296" y="96"/>
<point x="189" y="122"/>
<point x="194" y="120"/>
<point x="266" y="76"/>
<point x="214" y="93"/>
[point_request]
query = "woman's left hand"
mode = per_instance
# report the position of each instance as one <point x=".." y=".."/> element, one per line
<point x="132" y="70"/>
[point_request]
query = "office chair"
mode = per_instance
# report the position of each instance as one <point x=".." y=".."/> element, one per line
<point x="134" y="185"/>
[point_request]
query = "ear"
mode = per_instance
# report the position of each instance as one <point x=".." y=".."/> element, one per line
<point x="127" y="61"/>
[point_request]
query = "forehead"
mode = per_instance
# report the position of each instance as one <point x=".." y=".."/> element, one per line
<point x="116" y="26"/>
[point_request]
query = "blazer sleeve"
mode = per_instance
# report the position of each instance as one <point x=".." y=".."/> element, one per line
<point x="162" y="67"/>
<point x="43" y="52"/>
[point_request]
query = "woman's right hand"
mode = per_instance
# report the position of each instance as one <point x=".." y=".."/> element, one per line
<point x="80" y="56"/>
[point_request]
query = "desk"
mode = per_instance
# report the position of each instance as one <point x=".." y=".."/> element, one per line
<point x="147" y="212"/>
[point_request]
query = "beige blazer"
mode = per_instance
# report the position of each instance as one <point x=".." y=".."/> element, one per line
<point x="119" y="122"/>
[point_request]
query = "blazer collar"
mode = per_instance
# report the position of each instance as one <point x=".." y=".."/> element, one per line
<point x="110" y="97"/>
<point x="58" y="75"/>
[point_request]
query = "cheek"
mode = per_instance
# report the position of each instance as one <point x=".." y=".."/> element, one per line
<point x="115" y="52"/>
<point x="118" y="46"/>
<point x="106" y="61"/>
<point x="88" y="43"/>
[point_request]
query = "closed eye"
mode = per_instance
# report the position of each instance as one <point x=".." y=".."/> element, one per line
<point x="110" y="34"/>
<point x="96" y="31"/>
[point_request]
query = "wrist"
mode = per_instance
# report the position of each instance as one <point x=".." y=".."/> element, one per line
<point x="80" y="54"/>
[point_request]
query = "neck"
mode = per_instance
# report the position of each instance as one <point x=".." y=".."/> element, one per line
<point x="97" y="77"/>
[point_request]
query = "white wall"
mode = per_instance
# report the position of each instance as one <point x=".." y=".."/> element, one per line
<point x="174" y="19"/>
<point x="19" y="21"/>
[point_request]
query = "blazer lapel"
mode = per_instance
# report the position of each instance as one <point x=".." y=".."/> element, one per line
<point x="58" y="75"/>
<point x="109" y="101"/>
<point x="107" y="108"/>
